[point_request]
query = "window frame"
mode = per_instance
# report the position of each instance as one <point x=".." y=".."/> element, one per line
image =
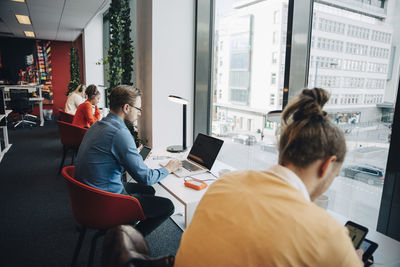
<point x="300" y="16"/>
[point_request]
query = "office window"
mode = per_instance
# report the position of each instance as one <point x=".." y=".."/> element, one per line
<point x="348" y="106"/>
<point x="283" y="37"/>
<point x="272" y="99"/>
<point x="376" y="67"/>
<point x="239" y="96"/>
<point x="375" y="84"/>
<point x="325" y="81"/>
<point x="239" y="61"/>
<point x="273" y="78"/>
<point x="357" y="85"/>
<point x="333" y="100"/>
<point x="239" y="79"/>
<point x="326" y="62"/>
<point x="356" y="49"/>
<point x="276" y="16"/>
<point x="233" y="81"/>
<point x="379" y="52"/>
<point x="353" y="82"/>
<point x="329" y="44"/>
<point x="274" y="37"/>
<point x="382" y="37"/>
<point x="252" y="83"/>
<point x="249" y="122"/>
<point x="331" y="26"/>
<point x="373" y="98"/>
<point x="358" y="32"/>
<point x="274" y="57"/>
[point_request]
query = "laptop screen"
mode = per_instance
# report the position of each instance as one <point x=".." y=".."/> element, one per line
<point x="205" y="150"/>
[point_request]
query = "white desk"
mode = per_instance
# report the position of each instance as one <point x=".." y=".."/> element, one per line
<point x="388" y="252"/>
<point x="2" y="116"/>
<point x="7" y="145"/>
<point x="38" y="100"/>
<point x="31" y="89"/>
<point x="175" y="185"/>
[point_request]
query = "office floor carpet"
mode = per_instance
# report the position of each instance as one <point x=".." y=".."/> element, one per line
<point x="36" y="223"/>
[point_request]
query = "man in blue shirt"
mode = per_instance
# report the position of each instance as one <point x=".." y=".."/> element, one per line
<point x="108" y="147"/>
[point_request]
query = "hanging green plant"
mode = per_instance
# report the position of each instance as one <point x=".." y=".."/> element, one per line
<point x="126" y="45"/>
<point x="120" y="53"/>
<point x="74" y="69"/>
<point x="114" y="51"/>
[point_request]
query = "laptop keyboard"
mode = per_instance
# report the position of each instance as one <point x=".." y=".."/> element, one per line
<point x="189" y="166"/>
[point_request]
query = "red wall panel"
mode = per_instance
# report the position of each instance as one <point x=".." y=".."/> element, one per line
<point x="61" y="73"/>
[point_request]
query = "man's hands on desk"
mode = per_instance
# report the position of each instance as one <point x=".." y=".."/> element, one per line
<point x="173" y="165"/>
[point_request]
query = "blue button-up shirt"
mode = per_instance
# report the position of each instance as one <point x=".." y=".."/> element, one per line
<point x="106" y="149"/>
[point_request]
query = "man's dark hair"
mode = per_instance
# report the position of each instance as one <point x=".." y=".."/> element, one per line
<point x="307" y="132"/>
<point x="123" y="94"/>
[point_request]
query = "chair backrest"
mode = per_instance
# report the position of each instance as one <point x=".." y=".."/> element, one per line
<point x="64" y="116"/>
<point x="19" y="101"/>
<point x="99" y="209"/>
<point x="70" y="135"/>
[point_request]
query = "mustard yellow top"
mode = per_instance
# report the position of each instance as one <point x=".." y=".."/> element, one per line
<point x="254" y="218"/>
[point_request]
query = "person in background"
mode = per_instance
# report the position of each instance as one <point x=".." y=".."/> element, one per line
<point x="108" y="147"/>
<point x="74" y="99"/>
<point x="88" y="113"/>
<point x="267" y="218"/>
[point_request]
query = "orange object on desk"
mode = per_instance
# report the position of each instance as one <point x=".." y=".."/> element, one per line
<point x="195" y="184"/>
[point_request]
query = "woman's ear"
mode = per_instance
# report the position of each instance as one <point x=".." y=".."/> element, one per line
<point x="326" y="166"/>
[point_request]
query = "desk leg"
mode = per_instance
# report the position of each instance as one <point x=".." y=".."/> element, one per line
<point x="5" y="135"/>
<point x="41" y="113"/>
<point x="6" y="142"/>
<point x="189" y="211"/>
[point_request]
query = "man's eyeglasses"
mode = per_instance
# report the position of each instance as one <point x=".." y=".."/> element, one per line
<point x="139" y="109"/>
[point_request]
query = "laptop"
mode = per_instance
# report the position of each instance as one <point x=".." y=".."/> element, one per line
<point x="201" y="157"/>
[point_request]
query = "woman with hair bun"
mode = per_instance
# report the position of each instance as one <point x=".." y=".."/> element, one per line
<point x="88" y="113"/>
<point x="267" y="218"/>
<point x="74" y="99"/>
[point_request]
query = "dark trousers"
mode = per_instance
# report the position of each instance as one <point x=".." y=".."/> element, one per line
<point x="156" y="209"/>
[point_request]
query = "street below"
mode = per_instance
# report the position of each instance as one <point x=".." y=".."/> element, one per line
<point x="357" y="200"/>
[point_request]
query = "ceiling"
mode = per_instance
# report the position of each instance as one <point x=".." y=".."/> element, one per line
<point x="61" y="20"/>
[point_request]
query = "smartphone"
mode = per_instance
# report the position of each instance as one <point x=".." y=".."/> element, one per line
<point x="369" y="248"/>
<point x="145" y="152"/>
<point x="357" y="233"/>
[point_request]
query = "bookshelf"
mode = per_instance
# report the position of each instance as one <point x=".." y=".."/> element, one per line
<point x="43" y="49"/>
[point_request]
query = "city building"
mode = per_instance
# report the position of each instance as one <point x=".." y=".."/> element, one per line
<point x="350" y="55"/>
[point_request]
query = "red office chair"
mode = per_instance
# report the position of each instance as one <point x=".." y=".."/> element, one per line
<point x="97" y="209"/>
<point x="64" y="116"/>
<point x="71" y="137"/>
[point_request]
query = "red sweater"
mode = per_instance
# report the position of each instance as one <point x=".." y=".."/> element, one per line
<point x="84" y="115"/>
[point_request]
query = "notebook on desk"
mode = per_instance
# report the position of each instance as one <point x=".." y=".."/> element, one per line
<point x="201" y="157"/>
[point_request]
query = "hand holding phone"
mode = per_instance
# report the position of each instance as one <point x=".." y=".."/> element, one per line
<point x="369" y="248"/>
<point x="357" y="233"/>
